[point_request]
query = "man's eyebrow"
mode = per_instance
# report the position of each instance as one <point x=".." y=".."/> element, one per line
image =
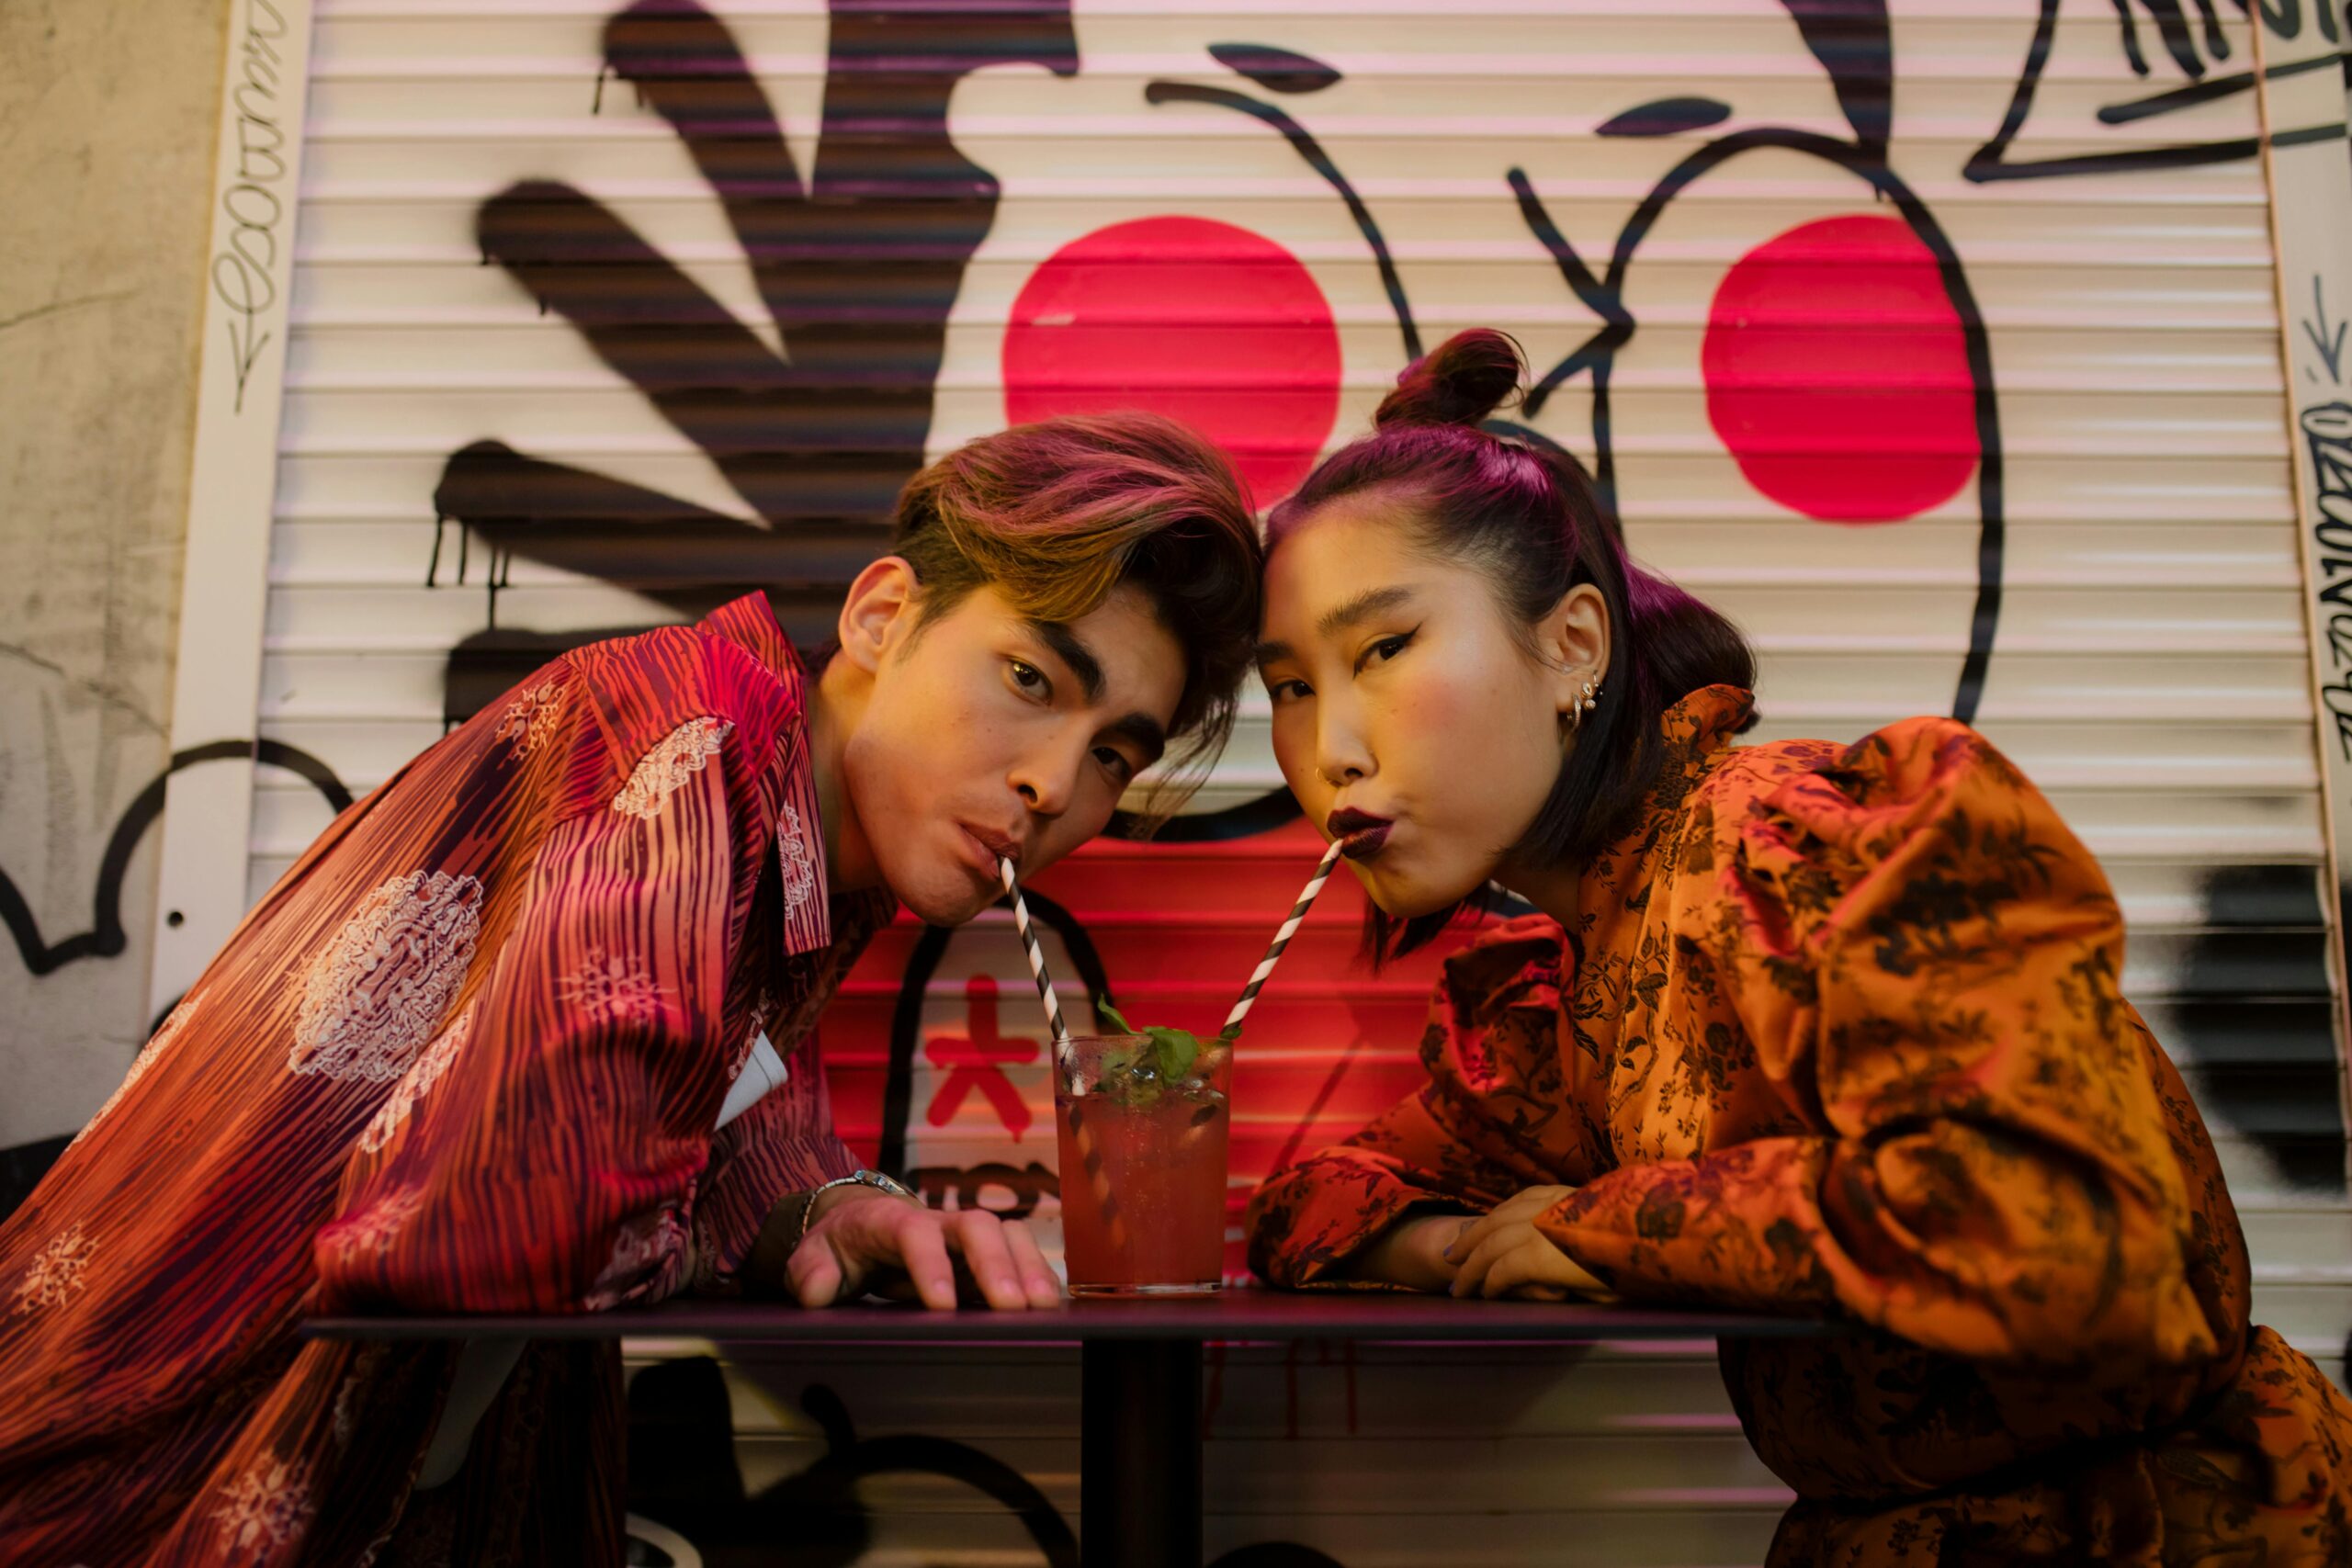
<point x="1071" y="650"/>
<point x="1143" y="731"/>
<point x="1363" y="607"/>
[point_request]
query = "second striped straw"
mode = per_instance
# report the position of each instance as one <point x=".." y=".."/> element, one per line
<point x="1281" y="939"/>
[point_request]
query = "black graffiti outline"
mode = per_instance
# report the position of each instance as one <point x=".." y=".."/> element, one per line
<point x="105" y="938"/>
<point x="2330" y="345"/>
<point x="1863" y="158"/>
<point x="914" y="986"/>
<point x="1990" y="161"/>
<point x="814" y="1519"/>
<point x="255" y="277"/>
<point x="1311" y="152"/>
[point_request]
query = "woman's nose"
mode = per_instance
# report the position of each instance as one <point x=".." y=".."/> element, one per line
<point x="1341" y="755"/>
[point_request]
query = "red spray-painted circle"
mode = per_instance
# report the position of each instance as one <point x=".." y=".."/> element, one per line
<point x="1836" y="372"/>
<point x="1201" y="320"/>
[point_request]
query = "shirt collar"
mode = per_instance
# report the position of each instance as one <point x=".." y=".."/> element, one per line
<point x="789" y="790"/>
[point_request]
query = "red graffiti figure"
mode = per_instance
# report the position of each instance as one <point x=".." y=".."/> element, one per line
<point x="978" y="1062"/>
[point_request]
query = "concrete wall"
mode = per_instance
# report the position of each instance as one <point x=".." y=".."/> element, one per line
<point x="106" y="122"/>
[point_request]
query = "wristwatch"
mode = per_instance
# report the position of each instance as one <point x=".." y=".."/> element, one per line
<point x="873" y="1179"/>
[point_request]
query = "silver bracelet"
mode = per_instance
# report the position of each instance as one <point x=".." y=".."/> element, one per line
<point x="873" y="1179"/>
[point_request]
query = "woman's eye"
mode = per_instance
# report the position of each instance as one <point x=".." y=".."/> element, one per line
<point x="1386" y="648"/>
<point x="1113" y="762"/>
<point x="1288" y="690"/>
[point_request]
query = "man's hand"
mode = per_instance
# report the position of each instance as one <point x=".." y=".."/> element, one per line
<point x="1502" y="1254"/>
<point x="860" y="1240"/>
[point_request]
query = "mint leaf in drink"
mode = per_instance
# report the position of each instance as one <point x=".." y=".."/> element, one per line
<point x="1170" y="1054"/>
<point x="1178" y="1049"/>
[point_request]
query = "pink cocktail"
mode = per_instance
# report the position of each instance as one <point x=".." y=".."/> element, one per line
<point x="1143" y="1168"/>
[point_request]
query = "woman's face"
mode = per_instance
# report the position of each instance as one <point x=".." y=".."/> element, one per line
<point x="1407" y="718"/>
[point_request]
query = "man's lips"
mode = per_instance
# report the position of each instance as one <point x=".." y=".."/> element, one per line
<point x="1360" y="835"/>
<point x="989" y="847"/>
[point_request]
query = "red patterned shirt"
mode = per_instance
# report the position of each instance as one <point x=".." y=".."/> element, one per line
<point x="467" y="1056"/>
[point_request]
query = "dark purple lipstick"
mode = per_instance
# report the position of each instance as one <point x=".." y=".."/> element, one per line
<point x="1360" y="835"/>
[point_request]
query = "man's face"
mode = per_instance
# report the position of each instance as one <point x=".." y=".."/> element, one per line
<point x="988" y="733"/>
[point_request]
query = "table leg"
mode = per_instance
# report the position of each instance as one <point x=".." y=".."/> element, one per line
<point x="1139" y="1470"/>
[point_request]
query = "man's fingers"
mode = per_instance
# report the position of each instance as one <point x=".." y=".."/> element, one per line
<point x="922" y="1252"/>
<point x="1036" y="1276"/>
<point x="979" y="1235"/>
<point x="814" y="1273"/>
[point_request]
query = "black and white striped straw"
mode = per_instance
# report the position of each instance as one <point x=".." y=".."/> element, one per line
<point x="1036" y="951"/>
<point x="1281" y="939"/>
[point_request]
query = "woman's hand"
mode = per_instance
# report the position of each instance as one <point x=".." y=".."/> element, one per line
<point x="1410" y="1253"/>
<point x="860" y="1240"/>
<point x="1502" y="1254"/>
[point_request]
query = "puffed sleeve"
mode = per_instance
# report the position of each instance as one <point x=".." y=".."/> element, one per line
<point x="1928" y="962"/>
<point x="556" y="1168"/>
<point x="1463" y="1143"/>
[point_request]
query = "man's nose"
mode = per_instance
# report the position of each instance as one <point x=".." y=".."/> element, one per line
<point x="1047" y="781"/>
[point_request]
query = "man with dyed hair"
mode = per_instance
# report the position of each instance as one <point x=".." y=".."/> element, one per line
<point x="530" y="1030"/>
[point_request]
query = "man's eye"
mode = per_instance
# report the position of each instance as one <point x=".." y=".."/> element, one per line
<point x="1028" y="677"/>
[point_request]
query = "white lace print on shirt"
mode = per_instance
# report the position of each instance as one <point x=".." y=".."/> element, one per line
<point x="264" y="1506"/>
<point x="612" y="987"/>
<point x="380" y="986"/>
<point x="660" y="773"/>
<point x="156" y="1045"/>
<point x="799" y="865"/>
<point x="53" y="1276"/>
<point x="417" y="1082"/>
<point x="373" y="1230"/>
<point x="639" y="1253"/>
<point x="761" y="1009"/>
<point x="531" y="718"/>
<point x="345" y="1421"/>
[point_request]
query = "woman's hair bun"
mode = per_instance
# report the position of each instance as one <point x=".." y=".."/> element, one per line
<point x="1460" y="381"/>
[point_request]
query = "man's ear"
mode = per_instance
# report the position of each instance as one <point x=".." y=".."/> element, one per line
<point x="1573" y="637"/>
<point x="880" y="610"/>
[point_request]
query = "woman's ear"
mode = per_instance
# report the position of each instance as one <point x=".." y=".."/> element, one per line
<point x="1573" y="637"/>
<point x="881" y="602"/>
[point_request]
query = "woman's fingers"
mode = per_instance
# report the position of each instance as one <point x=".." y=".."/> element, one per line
<point x="1470" y="1273"/>
<point x="1520" y="1208"/>
<point x="1036" y="1274"/>
<point x="1524" y="1271"/>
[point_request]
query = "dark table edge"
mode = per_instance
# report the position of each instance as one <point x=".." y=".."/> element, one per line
<point x="896" y="1325"/>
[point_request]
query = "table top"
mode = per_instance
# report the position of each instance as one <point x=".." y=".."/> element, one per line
<point x="1228" y="1316"/>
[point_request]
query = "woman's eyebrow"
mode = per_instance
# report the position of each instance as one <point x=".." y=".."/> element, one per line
<point x="1338" y="618"/>
<point x="1362" y="607"/>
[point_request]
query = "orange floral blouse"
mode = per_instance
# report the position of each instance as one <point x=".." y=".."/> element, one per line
<point x="1837" y="1029"/>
